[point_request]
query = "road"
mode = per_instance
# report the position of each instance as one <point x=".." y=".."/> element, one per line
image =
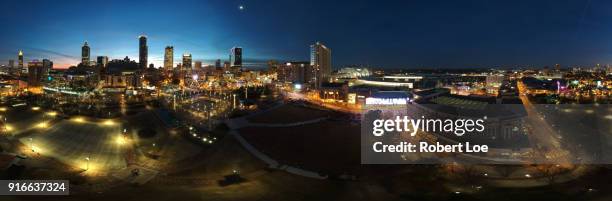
<point x="542" y="134"/>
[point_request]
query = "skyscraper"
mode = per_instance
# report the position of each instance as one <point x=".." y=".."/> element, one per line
<point x="20" y="60"/>
<point x="197" y="65"/>
<point x="218" y="63"/>
<point x="35" y="72"/>
<point x="236" y="57"/>
<point x="143" y="51"/>
<point x="169" y="58"/>
<point x="47" y="66"/>
<point x="102" y="61"/>
<point x="11" y="63"/>
<point x="85" y="52"/>
<point x="187" y="61"/>
<point x="320" y="61"/>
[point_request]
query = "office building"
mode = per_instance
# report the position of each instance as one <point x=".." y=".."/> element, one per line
<point x="85" y="53"/>
<point x="143" y="52"/>
<point x="102" y="61"/>
<point x="168" y="58"/>
<point x="218" y="64"/>
<point x="20" y="67"/>
<point x="197" y="65"/>
<point x="187" y="61"/>
<point x="47" y="66"/>
<point x="236" y="58"/>
<point x="35" y="73"/>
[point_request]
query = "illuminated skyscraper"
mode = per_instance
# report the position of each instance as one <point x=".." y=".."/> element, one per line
<point x="20" y="60"/>
<point x="236" y="57"/>
<point x="85" y="52"/>
<point x="169" y="58"/>
<point x="187" y="61"/>
<point x="320" y="61"/>
<point x="143" y="51"/>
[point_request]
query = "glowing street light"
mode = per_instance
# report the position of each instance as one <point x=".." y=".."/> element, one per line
<point x="109" y="122"/>
<point x="120" y="140"/>
<point x="42" y="125"/>
<point x="87" y="159"/>
<point x="234" y="100"/>
<point x="35" y="108"/>
<point x="31" y="144"/>
<point x="79" y="119"/>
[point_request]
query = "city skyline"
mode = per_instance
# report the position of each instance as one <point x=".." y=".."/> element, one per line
<point x="391" y="35"/>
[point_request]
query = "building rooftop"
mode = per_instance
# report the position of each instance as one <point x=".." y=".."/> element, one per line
<point x="461" y="103"/>
<point x="391" y="94"/>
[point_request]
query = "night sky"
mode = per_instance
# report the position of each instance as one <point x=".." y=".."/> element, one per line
<point x="390" y="34"/>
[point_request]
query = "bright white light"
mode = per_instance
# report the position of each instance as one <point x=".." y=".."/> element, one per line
<point x="120" y="140"/>
<point x="241" y="7"/>
<point x="42" y="125"/>
<point x="109" y="122"/>
<point x="386" y="101"/>
<point x="79" y="119"/>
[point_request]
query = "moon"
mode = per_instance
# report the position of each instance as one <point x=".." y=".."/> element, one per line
<point x="241" y="7"/>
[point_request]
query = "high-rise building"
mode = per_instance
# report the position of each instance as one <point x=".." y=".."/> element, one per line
<point x="47" y="66"/>
<point x="197" y="65"/>
<point x="35" y="73"/>
<point x="320" y="61"/>
<point x="294" y="72"/>
<point x="20" y="60"/>
<point x="102" y="61"/>
<point x="236" y="57"/>
<point x="85" y="53"/>
<point x="169" y="58"/>
<point x="11" y="63"/>
<point x="226" y="66"/>
<point x="187" y="61"/>
<point x="218" y="63"/>
<point x="143" y="52"/>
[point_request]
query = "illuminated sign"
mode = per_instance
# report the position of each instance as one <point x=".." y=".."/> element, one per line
<point x="352" y="98"/>
<point x="386" y="101"/>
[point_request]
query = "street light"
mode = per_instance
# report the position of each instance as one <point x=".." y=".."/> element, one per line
<point x="234" y="101"/>
<point x="31" y="144"/>
<point x="87" y="159"/>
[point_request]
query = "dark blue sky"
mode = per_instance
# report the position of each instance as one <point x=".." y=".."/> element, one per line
<point x="392" y="34"/>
